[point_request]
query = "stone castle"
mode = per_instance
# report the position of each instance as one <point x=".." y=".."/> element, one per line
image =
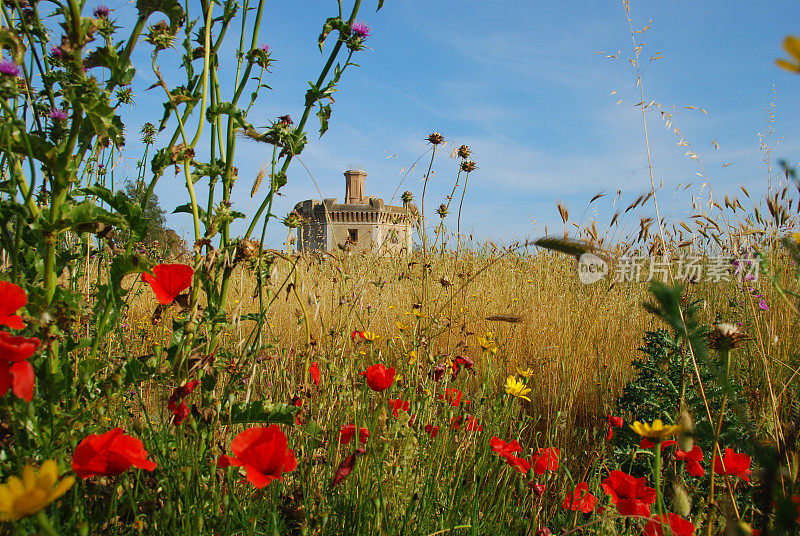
<point x="360" y="223"/>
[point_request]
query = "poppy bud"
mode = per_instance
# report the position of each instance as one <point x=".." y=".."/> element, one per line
<point x="190" y="327"/>
<point x="681" y="501"/>
<point x="544" y="531"/>
<point x="686" y="437"/>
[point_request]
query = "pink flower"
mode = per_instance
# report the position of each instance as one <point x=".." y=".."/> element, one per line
<point x="360" y="29"/>
<point x="9" y="68"/>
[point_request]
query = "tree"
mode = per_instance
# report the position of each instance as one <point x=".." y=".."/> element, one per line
<point x="160" y="240"/>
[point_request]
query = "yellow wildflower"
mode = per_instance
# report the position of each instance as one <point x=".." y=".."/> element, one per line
<point x="796" y="237"/>
<point x="657" y="431"/>
<point x="517" y="388"/>
<point x="31" y="494"/>
<point x="488" y="343"/>
<point x="419" y="313"/>
<point x="792" y="46"/>
<point x="412" y="356"/>
<point x="402" y="327"/>
<point x="527" y="373"/>
<point x="371" y="337"/>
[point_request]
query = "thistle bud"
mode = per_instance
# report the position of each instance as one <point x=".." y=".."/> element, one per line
<point x="293" y="220"/>
<point x="407" y="197"/>
<point x="442" y="211"/>
<point x="468" y="166"/>
<point x="464" y="152"/>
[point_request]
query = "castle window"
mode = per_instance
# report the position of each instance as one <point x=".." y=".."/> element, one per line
<point x="352" y="235"/>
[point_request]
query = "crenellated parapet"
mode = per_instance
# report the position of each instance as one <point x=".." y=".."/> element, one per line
<point x="366" y="224"/>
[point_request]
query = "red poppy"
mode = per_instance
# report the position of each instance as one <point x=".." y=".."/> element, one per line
<point x="472" y="423"/>
<point x="631" y="495"/>
<point x="677" y="526"/>
<point x="452" y="396"/>
<point x="647" y="444"/>
<point x="264" y="454"/>
<point x="109" y="454"/>
<point x="346" y="467"/>
<point x="347" y="432"/>
<point x="616" y="422"/>
<point x="15" y="372"/>
<point x="613" y="422"/>
<point x="360" y="334"/>
<point x="397" y="404"/>
<point x="520" y="464"/>
<point x="736" y="464"/>
<point x="14" y="349"/>
<point x="314" y="370"/>
<point x="693" y="459"/>
<point x="169" y="280"/>
<point x="546" y="460"/>
<point x="580" y="499"/>
<point x="176" y="402"/>
<point x="431" y="430"/>
<point x="12" y="297"/>
<point x="379" y="378"/>
<point x="438" y="372"/>
<point x="462" y="362"/>
<point x="538" y="489"/>
<point x="297" y="402"/>
<point x="504" y="449"/>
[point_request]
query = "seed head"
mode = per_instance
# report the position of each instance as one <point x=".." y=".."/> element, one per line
<point x="726" y="337"/>
<point x="467" y="166"/>
<point x="442" y="211"/>
<point x="407" y="197"/>
<point x="464" y="152"/>
<point x="436" y="138"/>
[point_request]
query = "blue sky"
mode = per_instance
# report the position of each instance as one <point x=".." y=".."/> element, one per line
<point x="522" y="84"/>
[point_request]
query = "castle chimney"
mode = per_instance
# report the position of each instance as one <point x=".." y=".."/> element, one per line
<point x="354" y="186"/>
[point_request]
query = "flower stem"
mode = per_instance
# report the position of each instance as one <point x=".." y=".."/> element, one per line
<point x="44" y="523"/>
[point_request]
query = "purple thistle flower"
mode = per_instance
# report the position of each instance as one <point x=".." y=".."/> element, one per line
<point x="57" y="114"/>
<point x="9" y="68"/>
<point x="101" y="12"/>
<point x="55" y="51"/>
<point x="360" y="29"/>
<point x="763" y="305"/>
<point x="264" y="47"/>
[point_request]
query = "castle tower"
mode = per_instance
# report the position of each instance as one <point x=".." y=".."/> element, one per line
<point x="355" y="187"/>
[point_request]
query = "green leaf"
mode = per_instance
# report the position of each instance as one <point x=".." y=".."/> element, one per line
<point x="171" y="8"/>
<point x="228" y="108"/>
<point x="316" y="435"/>
<point x="333" y="23"/>
<point x="263" y="412"/>
<point x="324" y="115"/>
<point x="187" y="209"/>
<point x="135" y="371"/>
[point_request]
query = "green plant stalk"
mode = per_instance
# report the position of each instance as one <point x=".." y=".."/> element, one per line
<point x="44" y="523"/>
<point x="301" y="124"/>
